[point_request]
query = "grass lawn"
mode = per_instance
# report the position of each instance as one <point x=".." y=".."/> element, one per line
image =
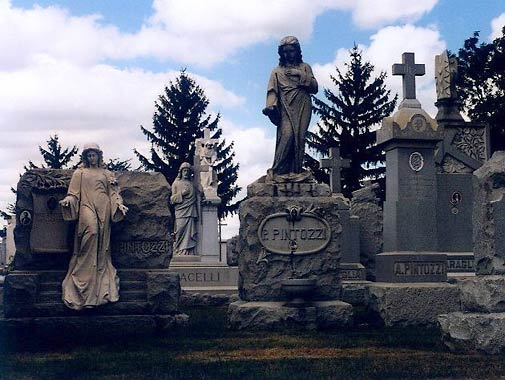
<point x="206" y="350"/>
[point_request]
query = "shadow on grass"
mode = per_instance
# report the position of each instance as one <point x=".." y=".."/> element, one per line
<point x="207" y="350"/>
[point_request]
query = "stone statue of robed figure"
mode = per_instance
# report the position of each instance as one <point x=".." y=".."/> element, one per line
<point x="93" y="201"/>
<point x="186" y="200"/>
<point x="289" y="107"/>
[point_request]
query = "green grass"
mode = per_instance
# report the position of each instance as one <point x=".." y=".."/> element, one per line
<point x="206" y="350"/>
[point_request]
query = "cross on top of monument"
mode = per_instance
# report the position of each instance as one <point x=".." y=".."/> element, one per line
<point x="335" y="163"/>
<point x="409" y="70"/>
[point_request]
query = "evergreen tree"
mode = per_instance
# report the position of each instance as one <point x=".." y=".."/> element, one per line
<point x="55" y="157"/>
<point x="179" y="119"/>
<point x="117" y="165"/>
<point x="481" y="84"/>
<point x="359" y="104"/>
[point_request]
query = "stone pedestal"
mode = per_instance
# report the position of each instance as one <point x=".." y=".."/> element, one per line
<point x="290" y="230"/>
<point x="205" y="278"/>
<point x="412" y="304"/>
<point x="401" y="267"/>
<point x="208" y="233"/>
<point x="274" y="315"/>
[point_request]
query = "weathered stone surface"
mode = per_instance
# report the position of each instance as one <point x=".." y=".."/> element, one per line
<point x="274" y="315"/>
<point x="263" y="188"/>
<point x="489" y="216"/>
<point x="207" y="299"/>
<point x="141" y="292"/>
<point x="88" y="326"/>
<point x="232" y="251"/>
<point x="355" y="292"/>
<point x="20" y="293"/>
<point x="413" y="304"/>
<point x="143" y="239"/>
<point x="365" y="205"/>
<point x="261" y="272"/>
<point x="483" y="293"/>
<point x="409" y="267"/>
<point x="473" y="332"/>
<point x="163" y="292"/>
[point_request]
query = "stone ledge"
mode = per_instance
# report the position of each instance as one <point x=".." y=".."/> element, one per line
<point x="414" y="304"/>
<point x="473" y="332"/>
<point x="244" y="315"/>
<point x="111" y="325"/>
<point x="483" y="293"/>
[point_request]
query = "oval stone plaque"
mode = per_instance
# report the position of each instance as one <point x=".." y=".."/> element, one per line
<point x="310" y="233"/>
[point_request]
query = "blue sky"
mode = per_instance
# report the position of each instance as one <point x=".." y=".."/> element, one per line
<point x="91" y="70"/>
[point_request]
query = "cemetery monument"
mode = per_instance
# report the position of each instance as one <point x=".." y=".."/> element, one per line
<point x="48" y="248"/>
<point x="292" y="229"/>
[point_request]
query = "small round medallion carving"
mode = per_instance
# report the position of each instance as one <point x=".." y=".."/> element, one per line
<point x="418" y="123"/>
<point x="416" y="161"/>
<point x="25" y="218"/>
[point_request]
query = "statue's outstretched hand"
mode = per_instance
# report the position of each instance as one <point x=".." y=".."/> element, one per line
<point x="65" y="202"/>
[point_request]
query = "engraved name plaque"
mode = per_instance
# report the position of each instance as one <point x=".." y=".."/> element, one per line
<point x="279" y="233"/>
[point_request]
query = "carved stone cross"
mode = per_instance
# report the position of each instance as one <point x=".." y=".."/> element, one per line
<point x="335" y="163"/>
<point x="409" y="70"/>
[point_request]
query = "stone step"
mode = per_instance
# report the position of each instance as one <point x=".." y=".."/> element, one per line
<point x="126" y="275"/>
<point x="127" y="296"/>
<point x="119" y="308"/>
<point x="49" y="286"/>
<point x="53" y="286"/>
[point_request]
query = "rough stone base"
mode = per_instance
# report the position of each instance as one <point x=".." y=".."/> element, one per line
<point x="91" y="326"/>
<point x="483" y="293"/>
<point x="355" y="292"/>
<point x="244" y="315"/>
<point x="473" y="332"/>
<point x="412" y="304"/>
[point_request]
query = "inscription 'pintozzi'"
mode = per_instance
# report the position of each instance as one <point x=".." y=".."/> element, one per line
<point x="294" y="234"/>
<point x="419" y="268"/>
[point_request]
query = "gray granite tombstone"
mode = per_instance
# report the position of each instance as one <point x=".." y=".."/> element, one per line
<point x="141" y="247"/>
<point x="464" y="148"/>
<point x="480" y="325"/>
<point x="409" y="138"/>
<point x="351" y="268"/>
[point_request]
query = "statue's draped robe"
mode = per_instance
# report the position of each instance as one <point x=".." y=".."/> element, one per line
<point x="291" y="97"/>
<point x="91" y="279"/>
<point x="184" y="199"/>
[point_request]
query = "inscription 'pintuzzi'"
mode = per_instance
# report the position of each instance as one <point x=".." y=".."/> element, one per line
<point x="145" y="247"/>
<point x="310" y="232"/>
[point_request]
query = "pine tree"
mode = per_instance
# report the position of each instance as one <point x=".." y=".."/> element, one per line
<point x="481" y="84"/>
<point x="179" y="119"/>
<point x="55" y="157"/>
<point x="359" y="104"/>
<point x="117" y="165"/>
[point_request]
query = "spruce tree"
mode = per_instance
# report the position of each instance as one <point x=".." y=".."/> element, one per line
<point x="358" y="105"/>
<point x="55" y="157"/>
<point x="179" y="119"/>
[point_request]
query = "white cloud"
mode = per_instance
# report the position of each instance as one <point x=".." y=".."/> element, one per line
<point x="497" y="25"/>
<point x="100" y="103"/>
<point x="373" y="13"/>
<point x="386" y="48"/>
<point x="197" y="32"/>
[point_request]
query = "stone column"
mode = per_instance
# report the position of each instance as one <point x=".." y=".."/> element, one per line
<point x="208" y="233"/>
<point x="409" y="139"/>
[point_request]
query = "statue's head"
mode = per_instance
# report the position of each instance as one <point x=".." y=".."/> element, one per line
<point x="87" y="154"/>
<point x="289" y="43"/>
<point x="185" y="171"/>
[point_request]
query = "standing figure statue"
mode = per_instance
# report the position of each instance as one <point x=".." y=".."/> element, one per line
<point x="289" y="106"/>
<point x="92" y="200"/>
<point x="205" y="162"/>
<point x="185" y="199"/>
